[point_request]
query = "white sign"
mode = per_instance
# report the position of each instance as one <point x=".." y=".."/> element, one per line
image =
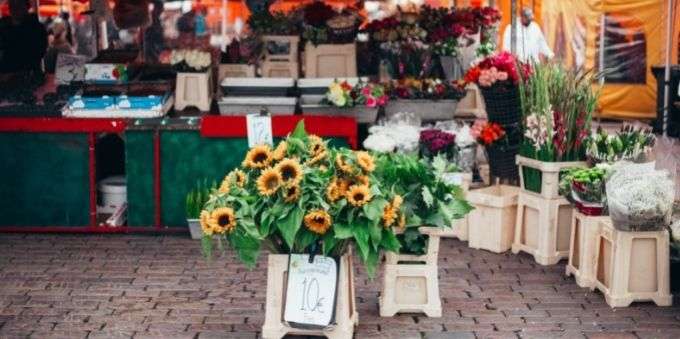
<point x="453" y="178"/>
<point x="259" y="130"/>
<point x="310" y="296"/>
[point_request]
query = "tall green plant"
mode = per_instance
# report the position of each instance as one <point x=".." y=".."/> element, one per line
<point x="197" y="197"/>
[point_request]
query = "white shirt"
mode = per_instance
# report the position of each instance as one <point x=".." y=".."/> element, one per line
<point x="531" y="43"/>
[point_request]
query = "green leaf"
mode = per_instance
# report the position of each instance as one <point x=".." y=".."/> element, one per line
<point x="360" y="231"/>
<point x="436" y="219"/>
<point x="374" y="209"/>
<point x="428" y="199"/>
<point x="289" y="226"/>
<point x="375" y="231"/>
<point x="371" y="263"/>
<point x="329" y="242"/>
<point x="389" y="241"/>
<point x="299" y="132"/>
<point x="206" y="246"/>
<point x="343" y="231"/>
<point x="247" y="248"/>
<point x="439" y="165"/>
<point x="305" y="238"/>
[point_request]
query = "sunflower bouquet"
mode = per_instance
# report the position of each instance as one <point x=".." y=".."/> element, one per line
<point x="303" y="196"/>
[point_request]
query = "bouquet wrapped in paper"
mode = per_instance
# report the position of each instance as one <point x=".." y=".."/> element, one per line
<point x="639" y="198"/>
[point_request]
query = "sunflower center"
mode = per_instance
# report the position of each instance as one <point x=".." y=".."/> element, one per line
<point x="224" y="220"/>
<point x="358" y="196"/>
<point x="288" y="172"/>
<point x="272" y="182"/>
<point x="260" y="157"/>
<point x="292" y="191"/>
<point x="319" y="220"/>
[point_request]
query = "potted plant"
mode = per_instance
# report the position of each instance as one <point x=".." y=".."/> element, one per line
<point x="629" y="144"/>
<point x="273" y="202"/>
<point x="278" y="33"/>
<point x="585" y="188"/>
<point x="430" y="205"/>
<point x="239" y="60"/>
<point x="195" y="199"/>
<point x="432" y="99"/>
<point x="435" y="142"/>
<point x="193" y="87"/>
<point x="557" y="107"/>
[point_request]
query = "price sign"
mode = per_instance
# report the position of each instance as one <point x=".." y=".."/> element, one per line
<point x="311" y="292"/>
<point x="259" y="129"/>
<point x="453" y="178"/>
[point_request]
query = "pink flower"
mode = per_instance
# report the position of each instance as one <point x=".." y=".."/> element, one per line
<point x="371" y="102"/>
<point x="366" y="91"/>
<point x="382" y="101"/>
<point x="502" y="76"/>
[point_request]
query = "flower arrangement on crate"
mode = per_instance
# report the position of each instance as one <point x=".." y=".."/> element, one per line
<point x="322" y="24"/>
<point x="557" y="107"/>
<point x="431" y="89"/>
<point x="450" y="29"/>
<point x="585" y="188"/>
<point x="501" y="70"/>
<point x="190" y="60"/>
<point x="499" y="151"/>
<point x="427" y="199"/>
<point x="342" y="94"/>
<point x="303" y="197"/>
<point x="435" y="142"/>
<point x="629" y="144"/>
<point x="264" y="22"/>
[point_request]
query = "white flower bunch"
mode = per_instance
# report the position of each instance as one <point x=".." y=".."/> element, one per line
<point x="537" y="130"/>
<point x="396" y="137"/>
<point x="195" y="59"/>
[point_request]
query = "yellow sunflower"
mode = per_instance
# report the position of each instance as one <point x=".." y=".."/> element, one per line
<point x="205" y="223"/>
<point x="269" y="182"/>
<point x="343" y="165"/>
<point x="238" y="177"/>
<point x="361" y="180"/>
<point x="292" y="193"/>
<point x="318" y="221"/>
<point x="365" y="161"/>
<point x="280" y="151"/>
<point x="343" y="185"/>
<point x="258" y="157"/>
<point x="397" y="201"/>
<point x="358" y="195"/>
<point x="225" y="185"/>
<point x="333" y="191"/>
<point x="389" y="215"/>
<point x="317" y="158"/>
<point x="222" y="220"/>
<point x="290" y="171"/>
<point x="316" y="145"/>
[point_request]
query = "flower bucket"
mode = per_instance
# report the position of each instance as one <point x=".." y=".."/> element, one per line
<point x="362" y="114"/>
<point x="346" y="316"/>
<point x="411" y="282"/>
<point x="428" y="110"/>
<point x="466" y="157"/>
<point x="502" y="104"/>
<point x="452" y="67"/>
<point x="502" y="161"/>
<point x="542" y="177"/>
<point x="195" y="229"/>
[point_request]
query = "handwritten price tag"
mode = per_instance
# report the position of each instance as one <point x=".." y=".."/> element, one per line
<point x="259" y="130"/>
<point x="310" y="296"/>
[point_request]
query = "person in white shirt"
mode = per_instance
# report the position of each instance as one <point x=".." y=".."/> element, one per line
<point x="531" y="44"/>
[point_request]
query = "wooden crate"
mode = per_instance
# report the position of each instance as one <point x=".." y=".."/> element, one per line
<point x="542" y="227"/>
<point x="472" y="105"/>
<point x="193" y="89"/>
<point x="330" y="61"/>
<point x="632" y="266"/>
<point x="411" y="282"/>
<point x="550" y="174"/>
<point x="493" y="218"/>
<point x="280" y="69"/>
<point x="288" y="43"/>
<point x="346" y="316"/>
<point x="235" y="71"/>
<point x="582" y="248"/>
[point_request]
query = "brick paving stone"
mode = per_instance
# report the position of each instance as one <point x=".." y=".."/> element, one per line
<point x="141" y="286"/>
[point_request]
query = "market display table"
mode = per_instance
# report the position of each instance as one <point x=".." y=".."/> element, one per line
<point x="50" y="166"/>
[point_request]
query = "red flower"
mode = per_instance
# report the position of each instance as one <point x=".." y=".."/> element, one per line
<point x="345" y="86"/>
<point x="116" y="73"/>
<point x="490" y="133"/>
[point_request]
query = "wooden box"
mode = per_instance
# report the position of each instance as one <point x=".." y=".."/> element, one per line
<point x="583" y="247"/>
<point x="278" y="48"/>
<point x="472" y="105"/>
<point x="330" y="61"/>
<point x="346" y="316"/>
<point x="280" y="69"/>
<point x="193" y="89"/>
<point x="550" y="174"/>
<point x="542" y="227"/>
<point x="632" y="266"/>
<point x="493" y="219"/>
<point x="235" y="71"/>
<point x="411" y="282"/>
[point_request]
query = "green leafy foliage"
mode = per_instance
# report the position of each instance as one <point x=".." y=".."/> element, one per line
<point x="197" y="197"/>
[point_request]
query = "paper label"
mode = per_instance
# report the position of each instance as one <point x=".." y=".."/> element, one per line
<point x="259" y="130"/>
<point x="310" y="296"/>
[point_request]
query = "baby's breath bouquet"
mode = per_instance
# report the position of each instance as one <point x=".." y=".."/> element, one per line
<point x="303" y="196"/>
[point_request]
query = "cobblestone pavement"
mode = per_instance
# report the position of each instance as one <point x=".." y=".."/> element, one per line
<point x="141" y="286"/>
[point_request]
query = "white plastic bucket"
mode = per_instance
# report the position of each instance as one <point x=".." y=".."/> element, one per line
<point x="113" y="191"/>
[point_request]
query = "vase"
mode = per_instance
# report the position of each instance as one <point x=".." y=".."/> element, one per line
<point x="195" y="229"/>
<point x="502" y="104"/>
<point x="452" y="67"/>
<point x="502" y="161"/>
